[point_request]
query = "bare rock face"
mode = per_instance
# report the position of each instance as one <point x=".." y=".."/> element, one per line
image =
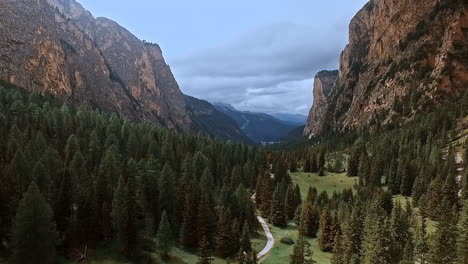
<point x="323" y="84"/>
<point x="403" y="57"/>
<point x="58" y="47"/>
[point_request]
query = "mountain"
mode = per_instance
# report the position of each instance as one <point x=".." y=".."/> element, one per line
<point x="214" y="122"/>
<point x="57" y="47"/>
<point x="296" y="119"/>
<point x="258" y="126"/>
<point x="403" y="58"/>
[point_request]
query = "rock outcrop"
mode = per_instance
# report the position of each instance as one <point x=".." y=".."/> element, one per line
<point x="323" y="84"/>
<point x="58" y="47"/>
<point x="403" y="57"/>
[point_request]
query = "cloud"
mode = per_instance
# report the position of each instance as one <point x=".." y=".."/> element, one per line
<point x="268" y="70"/>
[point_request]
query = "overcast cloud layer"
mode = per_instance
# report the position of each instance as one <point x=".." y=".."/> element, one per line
<point x="268" y="70"/>
<point x="240" y="52"/>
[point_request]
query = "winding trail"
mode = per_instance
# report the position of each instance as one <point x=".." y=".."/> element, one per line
<point x="271" y="239"/>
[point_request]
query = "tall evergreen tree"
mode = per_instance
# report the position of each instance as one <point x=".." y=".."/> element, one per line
<point x="327" y="232"/>
<point x="164" y="237"/>
<point x="443" y="246"/>
<point x="462" y="242"/>
<point x="204" y="253"/>
<point x="302" y="254"/>
<point x="224" y="239"/>
<point x="34" y="235"/>
<point x="278" y="211"/>
<point x="309" y="219"/>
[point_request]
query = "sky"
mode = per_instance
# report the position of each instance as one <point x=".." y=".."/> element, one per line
<point x="257" y="55"/>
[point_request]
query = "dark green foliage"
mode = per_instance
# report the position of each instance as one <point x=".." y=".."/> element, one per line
<point x="278" y="216"/>
<point x="34" y="235"/>
<point x="164" y="237"/>
<point x="225" y="237"/>
<point x="462" y="242"/>
<point x="302" y="254"/>
<point x="327" y="232"/>
<point x="204" y="252"/>
<point x="310" y="219"/>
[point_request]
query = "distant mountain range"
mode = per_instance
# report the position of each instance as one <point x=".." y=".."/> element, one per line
<point x="213" y="122"/>
<point x="261" y="127"/>
<point x="296" y="119"/>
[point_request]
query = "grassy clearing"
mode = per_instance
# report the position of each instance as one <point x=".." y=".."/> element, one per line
<point x="331" y="182"/>
<point x="280" y="252"/>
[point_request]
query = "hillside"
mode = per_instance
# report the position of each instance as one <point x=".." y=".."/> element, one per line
<point x="58" y="47"/>
<point x="258" y="126"/>
<point x="403" y="58"/>
<point x="214" y="122"/>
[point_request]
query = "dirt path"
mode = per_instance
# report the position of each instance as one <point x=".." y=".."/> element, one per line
<point x="269" y="236"/>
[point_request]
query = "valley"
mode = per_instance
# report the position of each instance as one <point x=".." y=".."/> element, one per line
<point x="104" y="160"/>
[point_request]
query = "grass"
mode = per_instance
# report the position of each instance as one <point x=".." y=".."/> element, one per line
<point x="107" y="255"/>
<point x="280" y="252"/>
<point x="330" y="182"/>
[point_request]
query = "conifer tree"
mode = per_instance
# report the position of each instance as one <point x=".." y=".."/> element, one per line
<point x="408" y="253"/>
<point x="375" y="245"/>
<point x="309" y="219"/>
<point x="421" y="247"/>
<point x="34" y="234"/>
<point x="314" y="168"/>
<point x="120" y="212"/>
<point x="306" y="165"/>
<point x="63" y="205"/>
<point x="443" y="248"/>
<point x="327" y="232"/>
<point x="164" y="237"/>
<point x="353" y="164"/>
<point x="302" y="254"/>
<point x="277" y="211"/>
<point x="462" y="242"/>
<point x="291" y="202"/>
<point x="204" y="253"/>
<point x="245" y="245"/>
<point x="224" y="239"/>
<point x="167" y="195"/>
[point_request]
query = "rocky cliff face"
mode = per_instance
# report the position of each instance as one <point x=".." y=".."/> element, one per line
<point x="57" y="47"/>
<point x="403" y="57"/>
<point x="323" y="84"/>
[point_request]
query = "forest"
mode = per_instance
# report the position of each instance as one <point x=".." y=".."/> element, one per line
<point x="73" y="180"/>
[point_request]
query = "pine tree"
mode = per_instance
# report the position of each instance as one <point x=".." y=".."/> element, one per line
<point x="277" y="212"/>
<point x="302" y="254"/>
<point x="224" y="239"/>
<point x="34" y="234"/>
<point x="131" y="228"/>
<point x="443" y="248"/>
<point x="408" y="253"/>
<point x="167" y="194"/>
<point x="120" y="212"/>
<point x="204" y="253"/>
<point x="421" y="247"/>
<point x="314" y="168"/>
<point x="353" y="164"/>
<point x="291" y="202"/>
<point x="375" y="247"/>
<point x="164" y="236"/>
<point x="63" y="205"/>
<point x="309" y="219"/>
<point x="245" y="245"/>
<point x="306" y="165"/>
<point x="327" y="232"/>
<point x="462" y="242"/>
